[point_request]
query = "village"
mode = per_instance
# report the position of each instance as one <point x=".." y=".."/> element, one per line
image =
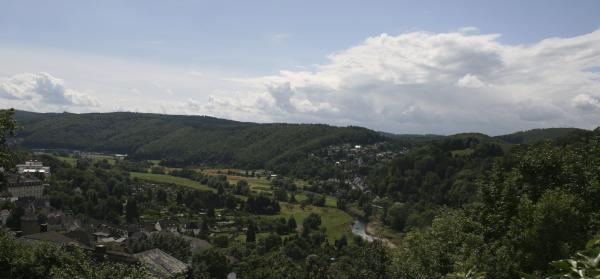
<point x="40" y="222"/>
<point x="158" y="210"/>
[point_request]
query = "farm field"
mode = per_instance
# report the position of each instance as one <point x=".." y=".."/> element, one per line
<point x="164" y="178"/>
<point x="337" y="222"/>
<point x="329" y="200"/>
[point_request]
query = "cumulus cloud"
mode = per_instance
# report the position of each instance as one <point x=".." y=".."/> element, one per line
<point x="586" y="102"/>
<point x="468" y="30"/>
<point x="416" y="82"/>
<point x="470" y="81"/>
<point x="446" y="82"/>
<point x="44" y="89"/>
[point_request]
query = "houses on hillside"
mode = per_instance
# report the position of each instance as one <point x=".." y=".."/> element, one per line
<point x="28" y="182"/>
<point x="33" y="166"/>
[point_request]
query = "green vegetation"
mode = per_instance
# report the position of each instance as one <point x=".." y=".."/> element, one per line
<point x="169" y="179"/>
<point x="189" y="140"/>
<point x="335" y="221"/>
<point x="462" y="206"/>
<point x="22" y="260"/>
<point x="537" y="135"/>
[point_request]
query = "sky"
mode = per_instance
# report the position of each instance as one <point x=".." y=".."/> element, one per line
<point x="439" y="67"/>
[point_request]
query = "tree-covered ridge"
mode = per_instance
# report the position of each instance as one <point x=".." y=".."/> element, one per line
<point x="185" y="140"/>
<point x="500" y="210"/>
<point x="537" y="135"/>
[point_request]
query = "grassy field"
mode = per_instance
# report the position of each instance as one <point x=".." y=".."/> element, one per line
<point x="163" y="178"/>
<point x="329" y="200"/>
<point x="69" y="160"/>
<point x="462" y="152"/>
<point x="95" y="158"/>
<point x="336" y="221"/>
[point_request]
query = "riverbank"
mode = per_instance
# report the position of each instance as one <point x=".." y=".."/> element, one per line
<point x="368" y="233"/>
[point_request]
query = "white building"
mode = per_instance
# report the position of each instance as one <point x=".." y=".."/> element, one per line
<point x="33" y="167"/>
<point x="25" y="186"/>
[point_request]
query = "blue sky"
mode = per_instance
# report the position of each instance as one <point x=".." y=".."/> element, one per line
<point x="271" y="60"/>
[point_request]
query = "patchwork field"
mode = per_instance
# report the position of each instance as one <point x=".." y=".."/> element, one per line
<point x="336" y="221"/>
<point x="164" y="178"/>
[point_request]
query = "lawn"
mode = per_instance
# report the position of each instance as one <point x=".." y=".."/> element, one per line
<point x="462" y="152"/>
<point x="69" y="160"/>
<point x="329" y="200"/>
<point x="164" y="178"/>
<point x="95" y="158"/>
<point x="337" y="222"/>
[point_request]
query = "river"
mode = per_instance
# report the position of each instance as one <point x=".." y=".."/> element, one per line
<point x="360" y="228"/>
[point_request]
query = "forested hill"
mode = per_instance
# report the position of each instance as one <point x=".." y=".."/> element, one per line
<point x="536" y="135"/>
<point x="182" y="140"/>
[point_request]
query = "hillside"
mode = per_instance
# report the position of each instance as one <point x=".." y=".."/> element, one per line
<point x="537" y="135"/>
<point x="182" y="140"/>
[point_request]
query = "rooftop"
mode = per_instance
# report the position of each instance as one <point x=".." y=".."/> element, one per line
<point x="161" y="263"/>
<point x="52" y="237"/>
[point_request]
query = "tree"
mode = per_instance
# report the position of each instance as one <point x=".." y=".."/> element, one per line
<point x="311" y="222"/>
<point x="547" y="230"/>
<point x="251" y="232"/>
<point x="242" y="188"/>
<point x="211" y="262"/>
<point x="397" y="215"/>
<point x="174" y="245"/>
<point x="179" y="198"/>
<point x="342" y="242"/>
<point x="280" y="194"/>
<point x="584" y="265"/>
<point x="20" y="260"/>
<point x="161" y="196"/>
<point x="7" y="129"/>
<point x="132" y="214"/>
<point x="291" y="224"/>
<point x="14" y="220"/>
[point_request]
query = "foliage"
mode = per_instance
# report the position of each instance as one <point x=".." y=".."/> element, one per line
<point x="189" y="140"/>
<point x="172" y="244"/>
<point x="21" y="260"/>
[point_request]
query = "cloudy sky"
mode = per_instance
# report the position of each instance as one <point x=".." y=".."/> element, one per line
<point x="434" y="67"/>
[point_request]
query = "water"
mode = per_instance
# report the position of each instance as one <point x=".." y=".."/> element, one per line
<point x="359" y="228"/>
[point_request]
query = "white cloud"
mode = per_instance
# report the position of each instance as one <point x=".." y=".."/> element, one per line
<point x="470" y="81"/>
<point x="424" y="82"/>
<point x="44" y="89"/>
<point x="586" y="102"/>
<point x="468" y="30"/>
<point x="416" y="82"/>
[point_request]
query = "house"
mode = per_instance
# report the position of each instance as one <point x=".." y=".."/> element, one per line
<point x="21" y="186"/>
<point x="4" y="214"/>
<point x="166" y="225"/>
<point x="51" y="237"/>
<point x="29" y="224"/>
<point x="98" y="236"/>
<point x="33" y="167"/>
<point x="161" y="263"/>
<point x="148" y="227"/>
<point x="81" y="236"/>
<point x="197" y="244"/>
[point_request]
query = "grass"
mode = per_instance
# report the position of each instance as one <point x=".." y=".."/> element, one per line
<point x="329" y="200"/>
<point x="337" y="222"/>
<point x="69" y="160"/>
<point x="95" y="158"/>
<point x="255" y="183"/>
<point x="164" y="178"/>
<point x="462" y="152"/>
